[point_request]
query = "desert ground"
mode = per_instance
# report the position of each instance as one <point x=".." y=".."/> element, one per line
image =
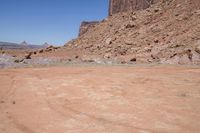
<point x="100" y="99"/>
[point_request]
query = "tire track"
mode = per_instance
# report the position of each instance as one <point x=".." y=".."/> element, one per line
<point x="100" y="120"/>
<point x="21" y="127"/>
<point x="8" y="96"/>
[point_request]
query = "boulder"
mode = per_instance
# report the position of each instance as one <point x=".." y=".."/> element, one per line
<point x="129" y="42"/>
<point x="107" y="56"/>
<point x="133" y="60"/>
<point x="76" y="57"/>
<point x="41" y="51"/>
<point x="17" y="61"/>
<point x="156" y="10"/>
<point x="184" y="59"/>
<point x="195" y="57"/>
<point x="130" y="25"/>
<point x="197" y="49"/>
<point x="109" y="41"/>
<point x="87" y="60"/>
<point x="197" y="12"/>
<point x="28" y="56"/>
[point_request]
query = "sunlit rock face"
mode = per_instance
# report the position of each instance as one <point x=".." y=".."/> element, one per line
<point x="116" y="6"/>
<point x="85" y="26"/>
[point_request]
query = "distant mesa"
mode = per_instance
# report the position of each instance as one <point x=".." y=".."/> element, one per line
<point x="46" y="45"/>
<point x="24" y="43"/>
<point x="9" y="45"/>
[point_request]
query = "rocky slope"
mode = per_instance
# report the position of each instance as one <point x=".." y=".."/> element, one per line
<point x="116" y="6"/>
<point x="85" y="26"/>
<point x="167" y="32"/>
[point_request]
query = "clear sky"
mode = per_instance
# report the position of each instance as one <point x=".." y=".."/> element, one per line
<point x="52" y="21"/>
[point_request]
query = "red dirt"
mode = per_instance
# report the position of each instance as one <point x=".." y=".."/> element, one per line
<point x="100" y="99"/>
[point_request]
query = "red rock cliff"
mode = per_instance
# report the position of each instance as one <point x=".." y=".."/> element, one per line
<point x="85" y="26"/>
<point x="116" y="6"/>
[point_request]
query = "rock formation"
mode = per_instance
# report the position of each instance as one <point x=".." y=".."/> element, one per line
<point x="24" y="43"/>
<point x="116" y="6"/>
<point x="85" y="26"/>
<point x="167" y="32"/>
<point x="45" y="45"/>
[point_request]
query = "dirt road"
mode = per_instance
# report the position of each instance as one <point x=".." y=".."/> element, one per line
<point x="100" y="100"/>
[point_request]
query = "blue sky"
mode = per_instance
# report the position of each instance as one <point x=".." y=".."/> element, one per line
<point x="52" y="21"/>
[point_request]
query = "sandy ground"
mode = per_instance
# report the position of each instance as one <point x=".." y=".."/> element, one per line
<point x="69" y="99"/>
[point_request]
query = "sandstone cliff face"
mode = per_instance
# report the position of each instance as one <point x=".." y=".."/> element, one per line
<point x="85" y="26"/>
<point x="116" y="6"/>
